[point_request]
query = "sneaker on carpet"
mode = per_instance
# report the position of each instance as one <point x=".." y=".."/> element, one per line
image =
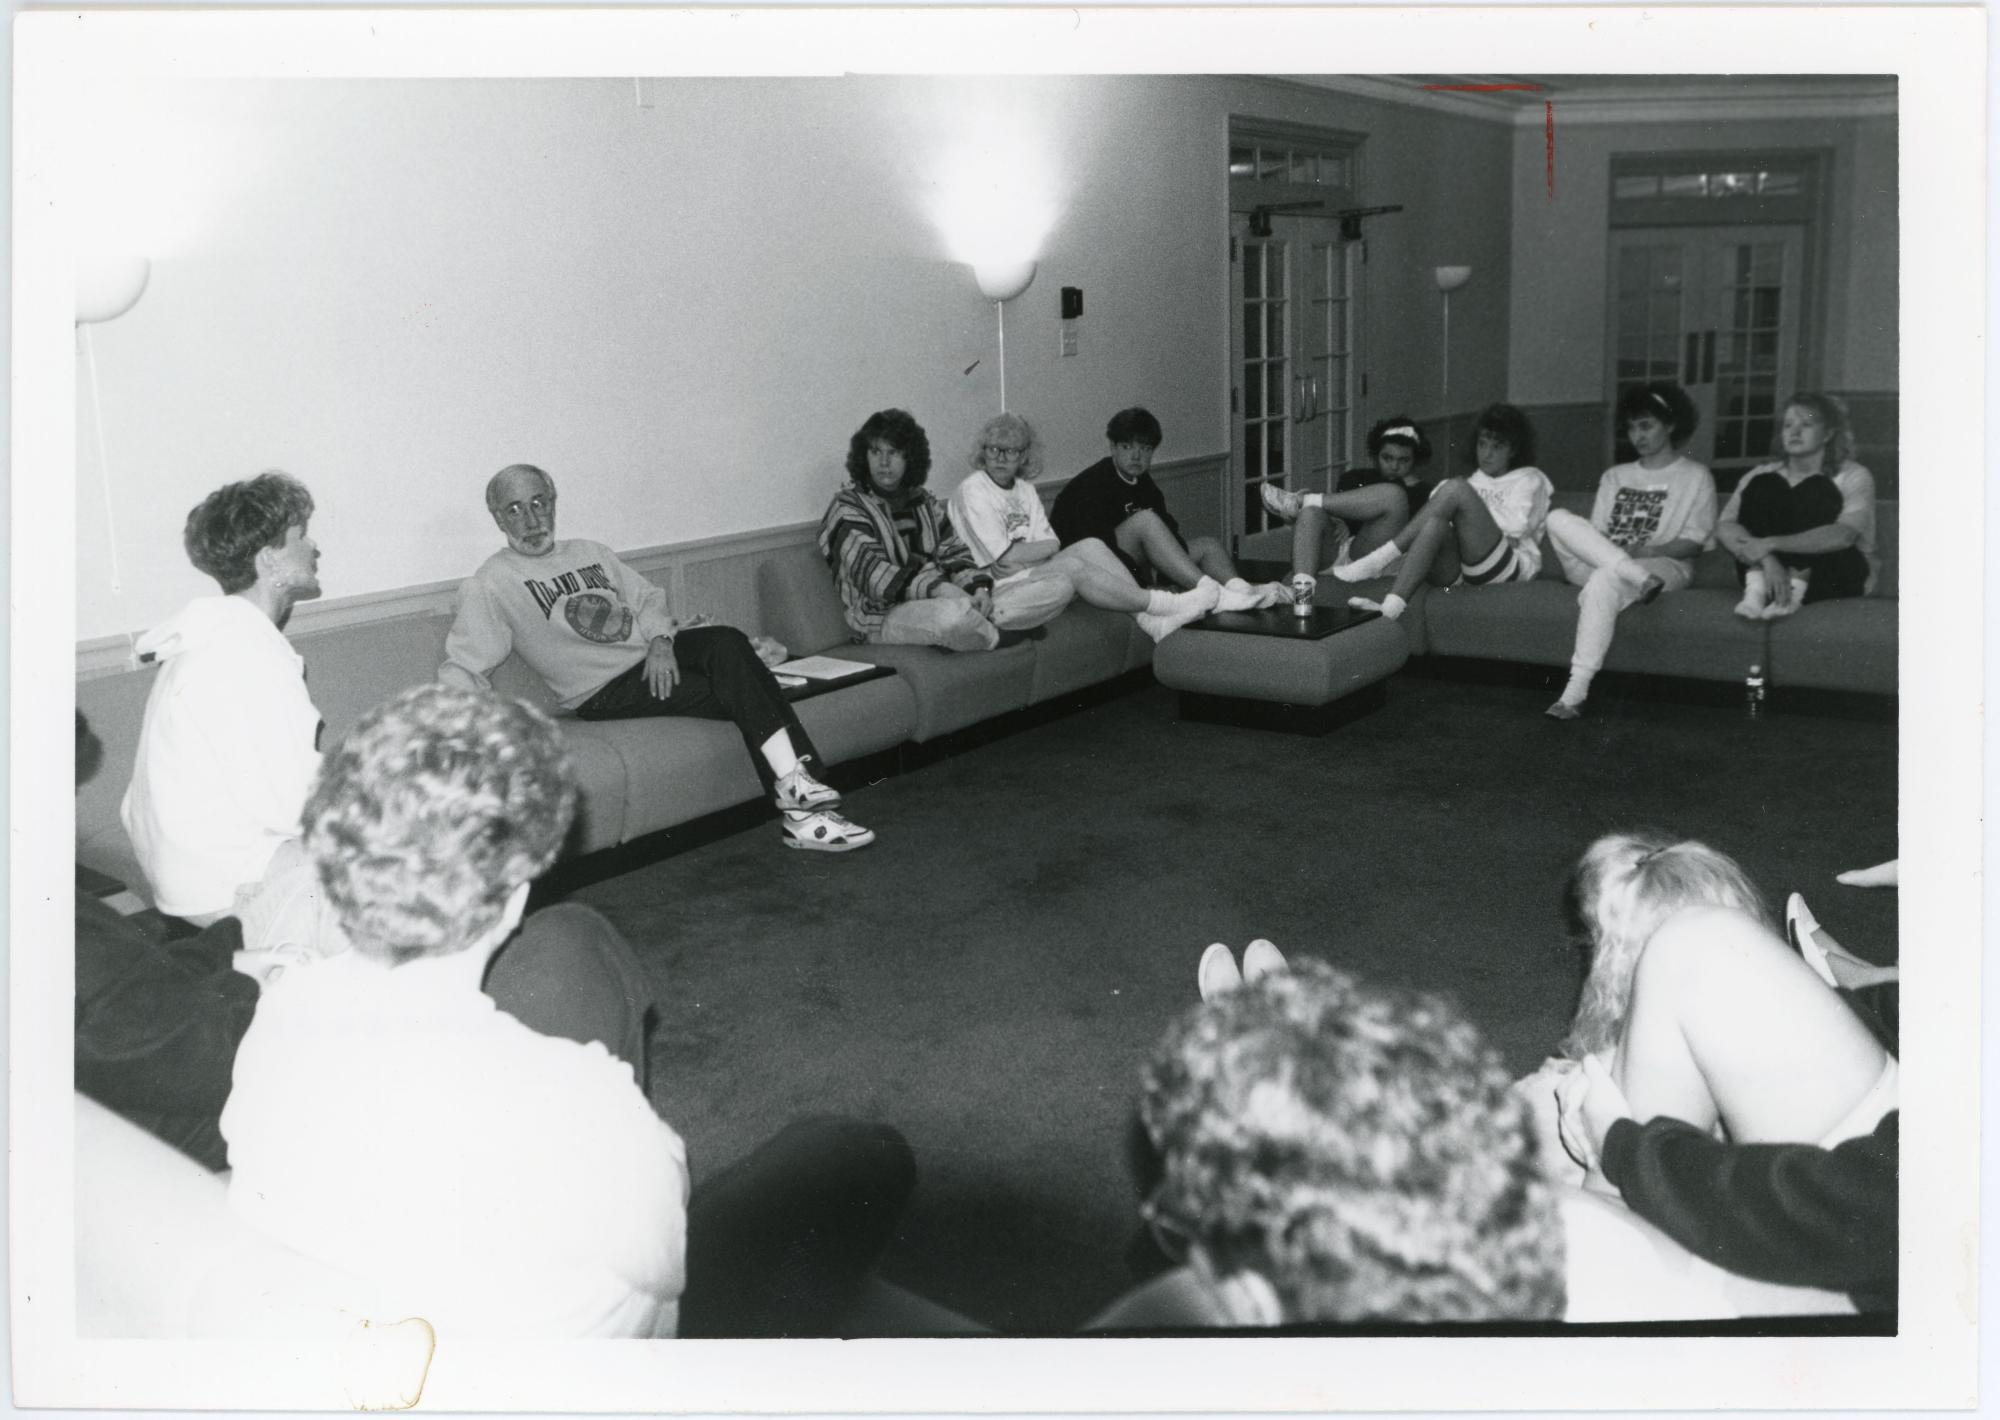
<point x="1801" y="928"/>
<point x="1217" y="973"/>
<point x="824" y="832"/>
<point x="799" y="791"/>
<point x="1260" y="958"/>
<point x="1563" y="710"/>
<point x="1282" y="502"/>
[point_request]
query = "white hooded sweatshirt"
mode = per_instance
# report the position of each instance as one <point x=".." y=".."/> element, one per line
<point x="226" y="755"/>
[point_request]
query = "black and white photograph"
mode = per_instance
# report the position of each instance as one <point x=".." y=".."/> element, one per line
<point x="1012" y="710"/>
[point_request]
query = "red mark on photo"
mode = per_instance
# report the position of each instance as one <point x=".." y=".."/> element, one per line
<point x="1549" y="131"/>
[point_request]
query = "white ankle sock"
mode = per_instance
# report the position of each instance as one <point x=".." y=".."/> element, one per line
<point x="778" y="753"/>
<point x="1312" y="500"/>
<point x="1578" y="689"/>
<point x="1391" y="606"/>
<point x="1372" y="564"/>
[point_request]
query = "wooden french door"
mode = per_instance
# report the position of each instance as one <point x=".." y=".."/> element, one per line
<point x="1294" y="302"/>
<point x="1716" y="309"/>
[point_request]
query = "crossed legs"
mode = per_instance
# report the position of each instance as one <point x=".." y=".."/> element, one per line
<point x="1147" y="540"/>
<point x="1612" y="580"/>
<point x="1375" y="513"/>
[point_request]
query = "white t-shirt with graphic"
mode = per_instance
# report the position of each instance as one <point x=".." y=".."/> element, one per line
<point x="1638" y="506"/>
<point x="991" y="518"/>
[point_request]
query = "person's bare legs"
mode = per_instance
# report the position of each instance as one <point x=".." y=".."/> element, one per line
<point x="1100" y="578"/>
<point x="1210" y="557"/>
<point x="1881" y="875"/>
<point x="1726" y="1023"/>
<point x="1148" y="540"/>
<point x="1375" y="513"/>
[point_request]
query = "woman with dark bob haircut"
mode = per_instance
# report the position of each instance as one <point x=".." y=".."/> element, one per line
<point x="1370" y="506"/>
<point x="906" y="578"/>
<point x="1802" y="528"/>
<point x="1484" y="529"/>
<point x="228" y="746"/>
<point x="1652" y="518"/>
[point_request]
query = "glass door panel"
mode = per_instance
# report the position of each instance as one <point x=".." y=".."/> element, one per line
<point x="1265" y="394"/>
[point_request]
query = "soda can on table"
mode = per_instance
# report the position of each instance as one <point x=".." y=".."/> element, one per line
<point x="1304" y="584"/>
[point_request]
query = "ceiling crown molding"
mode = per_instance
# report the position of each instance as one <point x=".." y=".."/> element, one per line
<point x="1615" y="98"/>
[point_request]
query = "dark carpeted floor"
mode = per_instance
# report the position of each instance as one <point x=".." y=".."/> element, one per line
<point x="989" y="976"/>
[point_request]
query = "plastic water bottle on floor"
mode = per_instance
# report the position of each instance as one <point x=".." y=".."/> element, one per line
<point x="1753" y="692"/>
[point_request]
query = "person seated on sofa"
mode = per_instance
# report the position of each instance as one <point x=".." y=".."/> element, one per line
<point x="1652" y="517"/>
<point x="602" y="638"/>
<point x="1334" y="1152"/>
<point x="1116" y="501"/>
<point x="1802" y="529"/>
<point x="905" y="576"/>
<point x="998" y="511"/>
<point x="157" y="1021"/>
<point x="229" y="742"/>
<point x="1799" y="1213"/>
<point x="1701" y="1013"/>
<point x="1370" y="506"/>
<point x="1485" y="529"/>
<point x="489" y="1153"/>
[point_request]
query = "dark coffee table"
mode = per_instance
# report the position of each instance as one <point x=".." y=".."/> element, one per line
<point x="1282" y="621"/>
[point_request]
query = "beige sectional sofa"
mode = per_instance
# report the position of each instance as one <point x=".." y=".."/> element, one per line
<point x="641" y="776"/>
<point x="1693" y="634"/>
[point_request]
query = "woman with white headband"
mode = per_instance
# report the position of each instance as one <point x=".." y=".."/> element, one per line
<point x="1371" y="504"/>
<point x="1652" y="517"/>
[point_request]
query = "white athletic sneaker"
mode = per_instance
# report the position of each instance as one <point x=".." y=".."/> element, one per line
<point x="1756" y="597"/>
<point x="800" y="791"/>
<point x="1282" y="502"/>
<point x="823" y="832"/>
<point x="1217" y="973"/>
<point x="1260" y="958"/>
<point x="1801" y="926"/>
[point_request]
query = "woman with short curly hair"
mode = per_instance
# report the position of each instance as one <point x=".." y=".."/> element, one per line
<point x="1335" y="1152"/>
<point x="1482" y="529"/>
<point x="228" y="745"/>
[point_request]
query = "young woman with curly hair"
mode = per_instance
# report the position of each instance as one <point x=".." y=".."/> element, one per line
<point x="1802" y="528"/>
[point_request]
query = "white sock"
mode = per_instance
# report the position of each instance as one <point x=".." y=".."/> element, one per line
<point x="1238" y="595"/>
<point x="1312" y="500"/>
<point x="1755" y="593"/>
<point x="1391" y="606"/>
<point x="779" y="754"/>
<point x="1372" y="564"/>
<point x="1578" y="689"/>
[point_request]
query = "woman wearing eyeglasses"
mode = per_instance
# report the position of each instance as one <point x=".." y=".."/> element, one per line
<point x="999" y="514"/>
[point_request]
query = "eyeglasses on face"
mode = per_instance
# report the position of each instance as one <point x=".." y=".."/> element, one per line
<point x="1005" y="451"/>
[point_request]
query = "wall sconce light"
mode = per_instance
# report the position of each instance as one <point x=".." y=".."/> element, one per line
<point x="1000" y="282"/>
<point x="108" y="284"/>
<point x="1004" y="280"/>
<point x="1449" y="279"/>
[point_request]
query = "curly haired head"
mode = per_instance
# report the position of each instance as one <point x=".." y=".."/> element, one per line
<point x="1509" y="423"/>
<point x="435" y="807"/>
<point x="1017" y="430"/>
<point x="1665" y="401"/>
<point x="898" y="428"/>
<point x="1621" y="892"/>
<point x="1399" y="429"/>
<point x="1359" y="1148"/>
<point x="227" y="529"/>
<point x="1135" y="426"/>
<point x="1832" y="416"/>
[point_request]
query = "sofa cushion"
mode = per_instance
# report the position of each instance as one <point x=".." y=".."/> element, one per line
<point x="798" y="603"/>
<point x="860" y="719"/>
<point x="1849" y="644"/>
<point x="954" y="689"/>
<point x="1083" y="646"/>
<point x="352" y="669"/>
<point x="1691" y="633"/>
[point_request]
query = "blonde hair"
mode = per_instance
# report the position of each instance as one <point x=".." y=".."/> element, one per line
<point x="1623" y="889"/>
<point x="1030" y="466"/>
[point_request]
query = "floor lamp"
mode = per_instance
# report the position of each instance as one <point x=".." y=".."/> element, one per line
<point x="1000" y="282"/>
<point x="1449" y="279"/>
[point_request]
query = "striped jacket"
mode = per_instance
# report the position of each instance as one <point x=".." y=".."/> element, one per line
<point x="875" y="567"/>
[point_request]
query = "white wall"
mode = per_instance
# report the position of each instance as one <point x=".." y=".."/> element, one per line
<point x="392" y="288"/>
